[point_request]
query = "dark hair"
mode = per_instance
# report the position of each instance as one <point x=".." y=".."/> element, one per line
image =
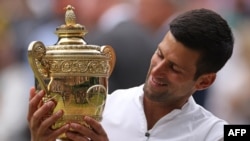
<point x="205" y="31"/>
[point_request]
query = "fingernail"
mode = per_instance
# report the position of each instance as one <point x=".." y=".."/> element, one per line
<point x="41" y="93"/>
<point x="86" y="118"/>
<point x="73" y="125"/>
<point x="59" y="113"/>
<point x="50" y="104"/>
<point x="66" y="126"/>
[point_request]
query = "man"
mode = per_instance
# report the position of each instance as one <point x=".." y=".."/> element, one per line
<point x="149" y="17"/>
<point x="195" y="48"/>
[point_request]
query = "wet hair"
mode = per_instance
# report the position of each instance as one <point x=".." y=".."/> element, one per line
<point x="207" y="32"/>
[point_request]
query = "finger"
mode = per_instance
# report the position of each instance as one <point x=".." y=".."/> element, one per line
<point x="59" y="131"/>
<point x="51" y="135"/>
<point x="32" y="93"/>
<point x="41" y="113"/>
<point x="47" y="123"/>
<point x="80" y="129"/>
<point x="34" y="102"/>
<point x="81" y="132"/>
<point x="95" y="125"/>
<point x="76" y="136"/>
<point x="85" y="131"/>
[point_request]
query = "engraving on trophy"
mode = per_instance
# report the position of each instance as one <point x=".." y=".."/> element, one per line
<point x="79" y="66"/>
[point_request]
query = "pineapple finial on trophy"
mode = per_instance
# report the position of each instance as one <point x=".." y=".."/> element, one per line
<point x="70" y="17"/>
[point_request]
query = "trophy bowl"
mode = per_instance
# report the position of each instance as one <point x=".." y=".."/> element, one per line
<point x="72" y="73"/>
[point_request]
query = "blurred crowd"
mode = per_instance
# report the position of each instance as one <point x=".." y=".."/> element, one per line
<point x="133" y="28"/>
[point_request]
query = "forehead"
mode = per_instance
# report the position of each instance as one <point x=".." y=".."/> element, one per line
<point x="176" y="52"/>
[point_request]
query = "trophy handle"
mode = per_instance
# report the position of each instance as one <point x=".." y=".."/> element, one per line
<point x="38" y="63"/>
<point x="110" y="53"/>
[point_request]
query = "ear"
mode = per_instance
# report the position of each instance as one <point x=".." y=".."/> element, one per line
<point x="205" y="81"/>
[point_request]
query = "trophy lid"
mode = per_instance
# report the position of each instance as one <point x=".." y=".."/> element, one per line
<point x="70" y="32"/>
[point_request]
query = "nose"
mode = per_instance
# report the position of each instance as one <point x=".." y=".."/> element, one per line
<point x="160" y="69"/>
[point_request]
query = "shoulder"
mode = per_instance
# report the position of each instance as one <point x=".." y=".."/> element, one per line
<point x="206" y="123"/>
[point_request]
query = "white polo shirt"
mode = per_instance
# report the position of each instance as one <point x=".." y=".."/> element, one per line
<point x="124" y="120"/>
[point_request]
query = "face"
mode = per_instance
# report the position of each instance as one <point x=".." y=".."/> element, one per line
<point x="171" y="73"/>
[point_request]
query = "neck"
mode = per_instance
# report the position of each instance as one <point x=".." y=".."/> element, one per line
<point x="154" y="110"/>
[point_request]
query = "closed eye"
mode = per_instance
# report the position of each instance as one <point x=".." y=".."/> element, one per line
<point x="159" y="53"/>
<point x="175" y="68"/>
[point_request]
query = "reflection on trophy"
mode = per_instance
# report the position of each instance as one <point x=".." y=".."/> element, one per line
<point x="73" y="73"/>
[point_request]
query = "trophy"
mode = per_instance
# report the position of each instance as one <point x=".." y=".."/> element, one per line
<point x="72" y="73"/>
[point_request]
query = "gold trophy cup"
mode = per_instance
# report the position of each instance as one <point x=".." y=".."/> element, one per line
<point x="73" y="73"/>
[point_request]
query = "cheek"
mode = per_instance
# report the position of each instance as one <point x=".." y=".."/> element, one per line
<point x="180" y="80"/>
<point x="179" y="88"/>
<point x="184" y="83"/>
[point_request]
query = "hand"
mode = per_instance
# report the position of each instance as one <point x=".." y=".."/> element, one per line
<point x="39" y="123"/>
<point x="82" y="133"/>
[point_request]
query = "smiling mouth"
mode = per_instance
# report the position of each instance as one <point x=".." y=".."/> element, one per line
<point x="159" y="83"/>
